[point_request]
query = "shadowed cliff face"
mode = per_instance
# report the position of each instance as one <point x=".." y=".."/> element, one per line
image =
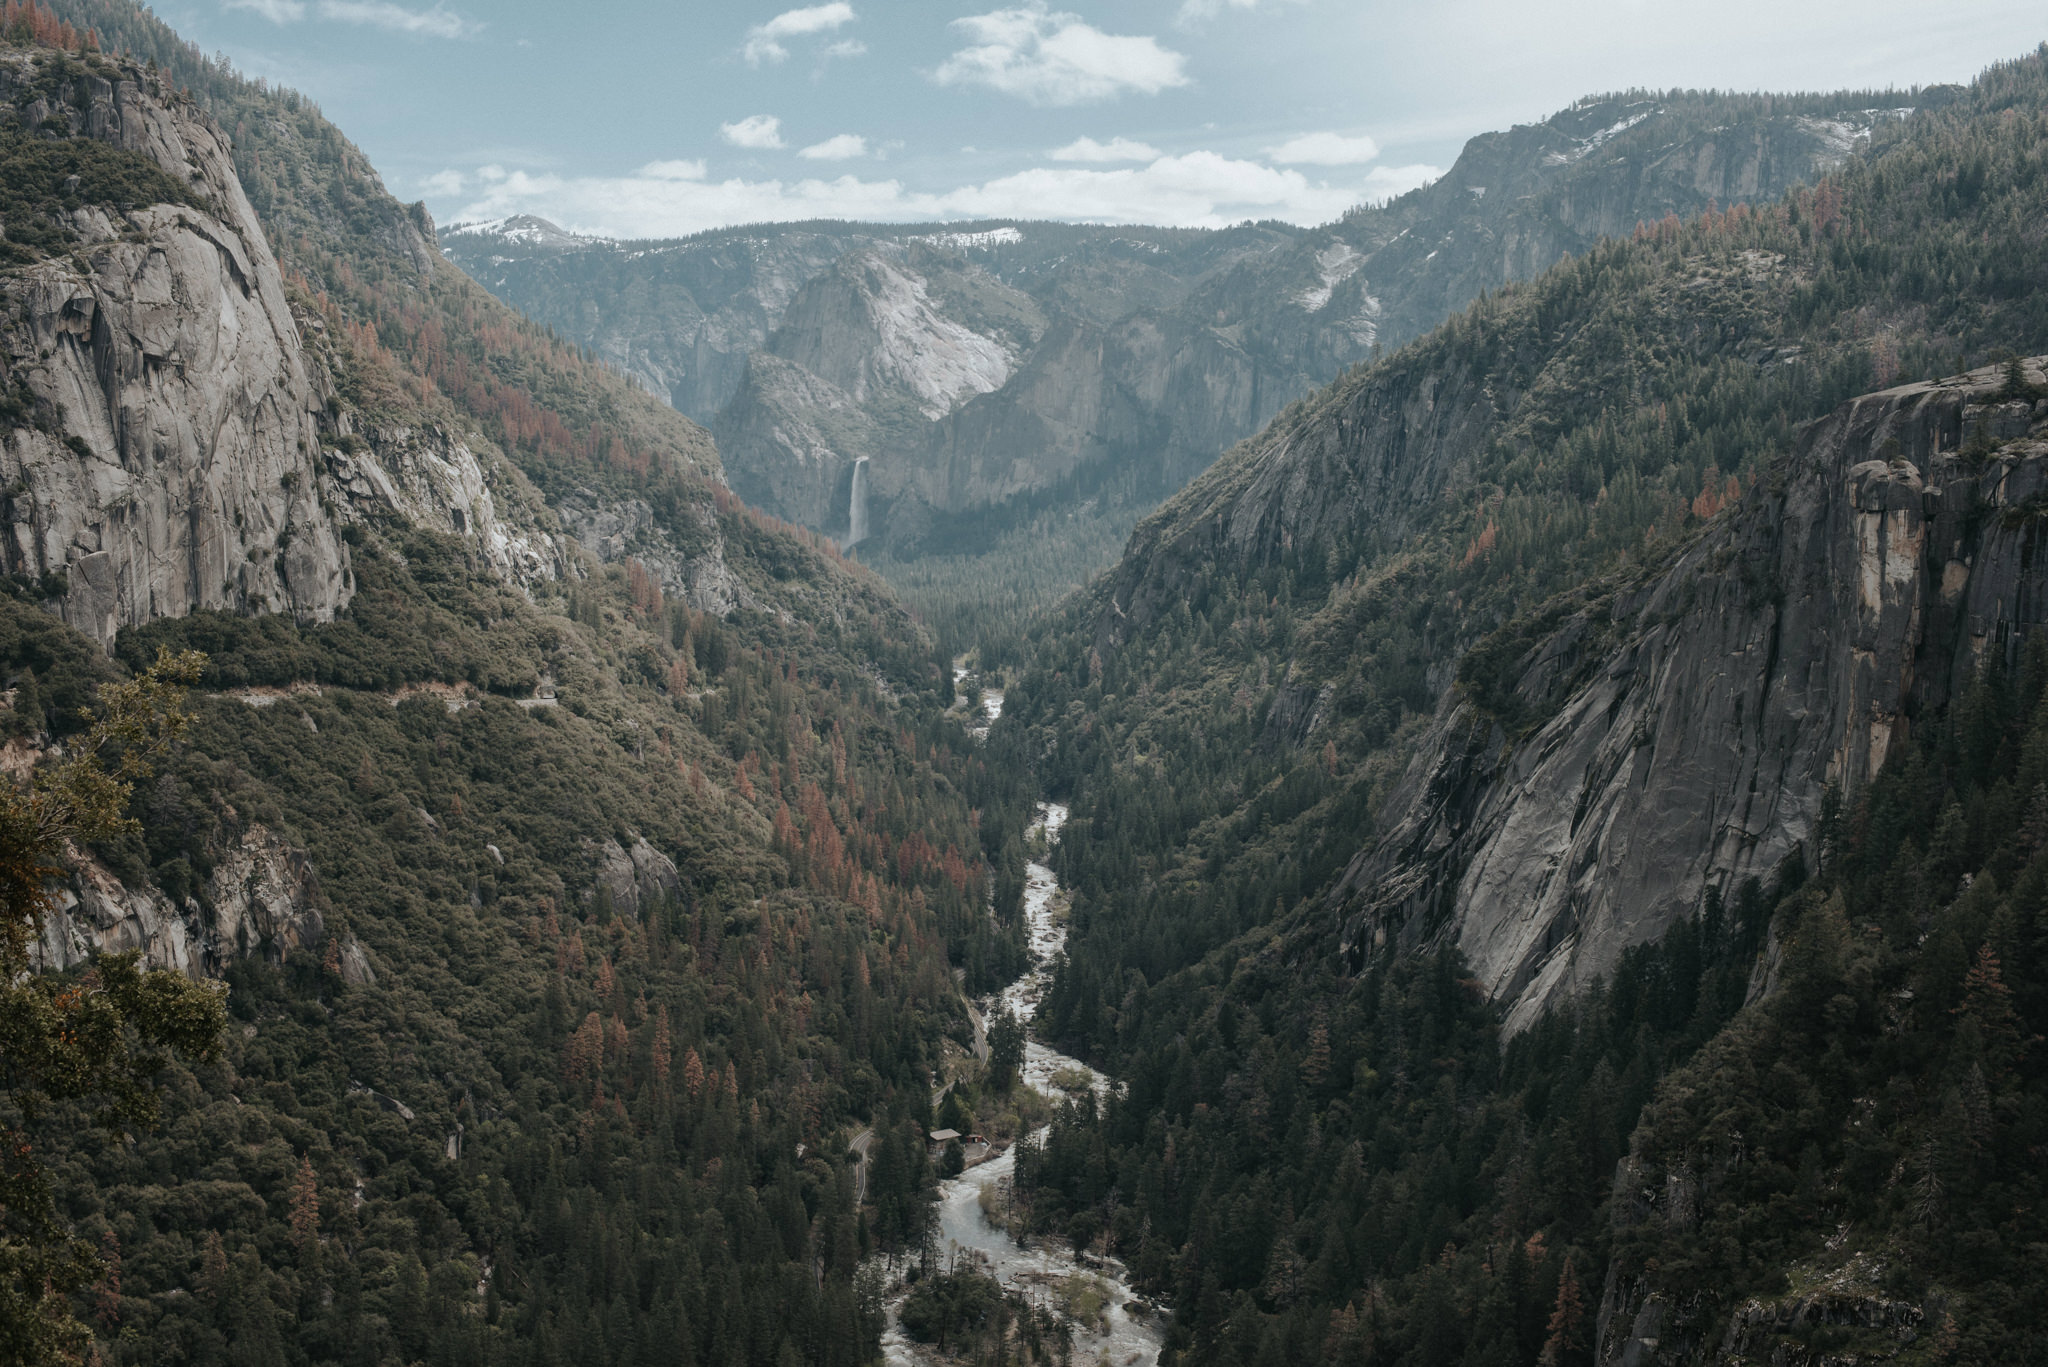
<point x="1677" y="733"/>
<point x="179" y="472"/>
<point x="1013" y="362"/>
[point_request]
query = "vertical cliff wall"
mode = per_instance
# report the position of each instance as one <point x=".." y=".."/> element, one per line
<point x="171" y="460"/>
<point x="1677" y="732"/>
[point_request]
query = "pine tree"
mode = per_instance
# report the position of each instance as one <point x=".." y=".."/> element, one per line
<point x="213" y="1267"/>
<point x="1315" y="1068"/>
<point x="107" y="1301"/>
<point x="1005" y="1049"/>
<point x="1566" y="1320"/>
<point x="664" y="1050"/>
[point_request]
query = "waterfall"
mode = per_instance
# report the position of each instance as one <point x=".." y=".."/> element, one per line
<point x="857" y="509"/>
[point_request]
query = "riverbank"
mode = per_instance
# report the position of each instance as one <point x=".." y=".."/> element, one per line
<point x="1093" y="1295"/>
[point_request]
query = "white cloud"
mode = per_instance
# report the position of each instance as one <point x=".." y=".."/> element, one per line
<point x="1116" y="149"/>
<point x="444" y="183"/>
<point x="1200" y="189"/>
<point x="1057" y="59"/>
<point x="765" y="41"/>
<point x="761" y="132"/>
<point x="431" y="23"/>
<point x="1391" y="182"/>
<point x="276" y="11"/>
<point x="841" y="148"/>
<point x="673" y="170"/>
<point x="1325" y="149"/>
<point x="847" y="47"/>
<point x="1195" y="11"/>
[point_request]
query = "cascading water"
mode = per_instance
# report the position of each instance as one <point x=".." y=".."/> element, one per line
<point x="857" y="506"/>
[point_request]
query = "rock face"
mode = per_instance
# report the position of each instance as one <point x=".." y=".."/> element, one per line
<point x="615" y="529"/>
<point x="679" y="317"/>
<point x="182" y="443"/>
<point x="1028" y="364"/>
<point x="631" y="877"/>
<point x="262" y="898"/>
<point x="803" y="434"/>
<point x="1678" y="733"/>
<point x="429" y="477"/>
<point x="873" y="327"/>
<point x="181" y="471"/>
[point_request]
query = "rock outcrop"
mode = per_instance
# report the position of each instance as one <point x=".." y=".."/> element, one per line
<point x="876" y="326"/>
<point x="1678" y="732"/>
<point x="619" y="529"/>
<point x="630" y="878"/>
<point x="178" y="465"/>
<point x="802" y="434"/>
<point x="431" y="478"/>
<point x="262" y="898"/>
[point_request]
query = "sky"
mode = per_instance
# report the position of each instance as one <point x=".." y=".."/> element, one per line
<point x="659" y="118"/>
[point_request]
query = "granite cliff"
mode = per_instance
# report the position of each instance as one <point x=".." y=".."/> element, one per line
<point x="190" y="431"/>
<point x="177" y="463"/>
<point x="1678" y="732"/>
<point x="186" y="433"/>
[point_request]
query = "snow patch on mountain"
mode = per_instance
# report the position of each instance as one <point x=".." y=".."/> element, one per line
<point x="966" y="242"/>
<point x="1335" y="263"/>
<point x="1590" y="144"/>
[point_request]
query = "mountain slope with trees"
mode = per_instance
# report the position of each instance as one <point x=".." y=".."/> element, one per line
<point x="578" y="894"/>
<point x="1335" y="1143"/>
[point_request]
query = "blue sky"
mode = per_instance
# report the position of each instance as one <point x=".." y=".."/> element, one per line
<point x="636" y="118"/>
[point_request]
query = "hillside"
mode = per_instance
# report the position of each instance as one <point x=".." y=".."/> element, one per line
<point x="1052" y="381"/>
<point x="589" y="856"/>
<point x="1453" y="760"/>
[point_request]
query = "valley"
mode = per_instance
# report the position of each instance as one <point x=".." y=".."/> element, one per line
<point x="1018" y="393"/>
<point x="1462" y="785"/>
<point x="970" y="1206"/>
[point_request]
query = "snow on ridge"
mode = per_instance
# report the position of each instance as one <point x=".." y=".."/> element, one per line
<point x="526" y="229"/>
<point x="1589" y="144"/>
<point x="960" y="242"/>
<point x="1841" y="134"/>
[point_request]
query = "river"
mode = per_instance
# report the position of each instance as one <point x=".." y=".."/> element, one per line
<point x="1130" y="1340"/>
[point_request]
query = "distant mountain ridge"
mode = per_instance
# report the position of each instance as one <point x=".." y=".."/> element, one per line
<point x="1114" y="362"/>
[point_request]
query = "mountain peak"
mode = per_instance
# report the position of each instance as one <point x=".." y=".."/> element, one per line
<point x="528" y="230"/>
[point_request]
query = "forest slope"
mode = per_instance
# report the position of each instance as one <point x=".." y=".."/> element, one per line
<point x="1272" y="634"/>
<point x="584" y="874"/>
<point x="1671" y="676"/>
